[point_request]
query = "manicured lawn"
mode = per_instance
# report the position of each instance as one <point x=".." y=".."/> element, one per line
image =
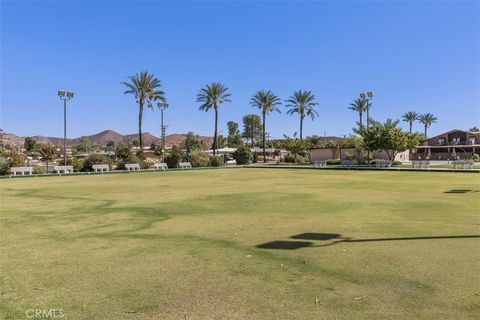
<point x="243" y="244"/>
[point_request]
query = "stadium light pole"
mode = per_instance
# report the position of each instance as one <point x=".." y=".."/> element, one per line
<point x="162" y="106"/>
<point x="65" y="96"/>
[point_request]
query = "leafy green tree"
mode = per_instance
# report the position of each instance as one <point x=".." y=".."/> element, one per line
<point x="46" y="152"/>
<point x="313" y="141"/>
<point x="410" y="117"/>
<point x="135" y="143"/>
<point x="427" y="119"/>
<point x="267" y="102"/>
<point x="360" y="106"/>
<point x="295" y="146"/>
<point x="4" y="167"/>
<point x="146" y="89"/>
<point x="302" y="103"/>
<point x="123" y="152"/>
<point x="16" y="159"/>
<point x="242" y="155"/>
<point x="252" y="128"/>
<point x="198" y="158"/>
<point x="111" y="145"/>
<point x="29" y="144"/>
<point x="389" y="138"/>
<point x="191" y="143"/>
<point x="234" y="138"/>
<point x="95" y="159"/>
<point x="174" y="157"/>
<point x="212" y="96"/>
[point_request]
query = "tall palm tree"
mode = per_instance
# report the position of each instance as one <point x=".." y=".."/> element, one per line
<point x="267" y="102"/>
<point x="360" y="106"/>
<point x="410" y="117"/>
<point x="212" y="96"/>
<point x="303" y="103"/>
<point x="145" y="88"/>
<point x="427" y="119"/>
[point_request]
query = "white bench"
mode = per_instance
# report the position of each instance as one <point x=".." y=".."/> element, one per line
<point x="184" y="165"/>
<point x="22" y="170"/>
<point x="100" y="167"/>
<point x="160" y="166"/>
<point x="132" y="167"/>
<point x="63" y="169"/>
<point x="319" y="164"/>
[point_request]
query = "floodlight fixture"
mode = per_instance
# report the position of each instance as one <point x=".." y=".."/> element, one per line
<point x="69" y="94"/>
<point x="370" y="94"/>
<point x="362" y="95"/>
<point x="61" y="93"/>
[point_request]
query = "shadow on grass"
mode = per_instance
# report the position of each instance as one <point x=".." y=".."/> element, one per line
<point x="293" y="245"/>
<point x="460" y="191"/>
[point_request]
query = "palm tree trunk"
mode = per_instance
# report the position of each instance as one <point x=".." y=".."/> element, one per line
<point x="425" y="131"/>
<point x="301" y="127"/>
<point x="360" y="114"/>
<point x="411" y="123"/>
<point x="215" y="134"/>
<point x="264" y="153"/>
<point x="140" y="115"/>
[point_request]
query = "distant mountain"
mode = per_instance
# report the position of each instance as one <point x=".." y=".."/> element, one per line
<point x="102" y="138"/>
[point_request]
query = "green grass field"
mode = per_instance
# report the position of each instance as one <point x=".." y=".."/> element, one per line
<point x="243" y="244"/>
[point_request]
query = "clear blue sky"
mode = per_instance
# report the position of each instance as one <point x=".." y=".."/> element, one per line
<point x="421" y="56"/>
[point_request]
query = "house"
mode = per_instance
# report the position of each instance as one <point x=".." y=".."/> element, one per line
<point x="451" y="145"/>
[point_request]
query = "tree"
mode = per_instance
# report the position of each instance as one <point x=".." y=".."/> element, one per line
<point x="29" y="144"/>
<point x="360" y="106"/>
<point x="198" y="158"/>
<point x="294" y="145"/>
<point x="267" y="102"/>
<point x="313" y="141"/>
<point x="111" y="145"/>
<point x="85" y="145"/>
<point x="234" y="138"/>
<point x="474" y="129"/>
<point x="303" y="103"/>
<point x="174" y="157"/>
<point x="47" y="152"/>
<point x="389" y="138"/>
<point x="252" y="128"/>
<point x="410" y="117"/>
<point x="427" y="119"/>
<point x="242" y="155"/>
<point x="123" y="152"/>
<point x="135" y="143"/>
<point x="191" y="143"/>
<point x="145" y="88"/>
<point x="212" y="96"/>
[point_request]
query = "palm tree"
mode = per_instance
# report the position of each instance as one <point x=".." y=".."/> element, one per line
<point x="427" y="119"/>
<point x="145" y="88"/>
<point x="266" y="101"/>
<point x="360" y="106"/>
<point x="303" y="103"/>
<point x="410" y="117"/>
<point x="212" y="96"/>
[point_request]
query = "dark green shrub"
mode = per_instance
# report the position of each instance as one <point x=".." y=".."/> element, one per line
<point x="216" y="161"/>
<point x="174" y="157"/>
<point x="242" y="155"/>
<point x="4" y="167"/>
<point x="95" y="159"/>
<point x="334" y="162"/>
<point x="198" y="159"/>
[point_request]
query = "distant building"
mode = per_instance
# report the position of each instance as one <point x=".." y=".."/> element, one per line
<point x="451" y="145"/>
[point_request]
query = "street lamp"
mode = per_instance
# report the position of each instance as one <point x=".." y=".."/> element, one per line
<point x="65" y="96"/>
<point x="162" y="106"/>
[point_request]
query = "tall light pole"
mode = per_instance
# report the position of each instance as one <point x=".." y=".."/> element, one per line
<point x="65" y="96"/>
<point x="367" y="97"/>
<point x="162" y="106"/>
